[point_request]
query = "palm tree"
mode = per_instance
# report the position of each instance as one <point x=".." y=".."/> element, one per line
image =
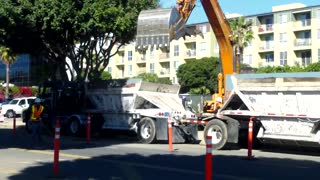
<point x="241" y="37"/>
<point x="7" y="56"/>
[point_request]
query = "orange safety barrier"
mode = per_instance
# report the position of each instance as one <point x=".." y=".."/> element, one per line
<point x="170" y="133"/>
<point x="208" y="168"/>
<point x="56" y="148"/>
<point x="88" y="128"/>
<point x="250" y="138"/>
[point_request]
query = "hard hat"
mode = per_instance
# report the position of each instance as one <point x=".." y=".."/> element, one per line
<point x="219" y="99"/>
<point x="37" y="100"/>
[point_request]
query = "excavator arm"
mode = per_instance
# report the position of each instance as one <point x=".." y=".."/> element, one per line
<point x="222" y="31"/>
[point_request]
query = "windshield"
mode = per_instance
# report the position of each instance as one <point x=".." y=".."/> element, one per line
<point x="13" y="101"/>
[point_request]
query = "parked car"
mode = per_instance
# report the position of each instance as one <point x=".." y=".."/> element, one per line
<point x="16" y="106"/>
<point x="4" y="102"/>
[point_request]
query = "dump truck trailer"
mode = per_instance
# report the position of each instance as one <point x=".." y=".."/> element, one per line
<point x="123" y="104"/>
<point x="284" y="107"/>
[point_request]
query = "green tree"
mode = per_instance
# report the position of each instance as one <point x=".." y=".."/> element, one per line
<point x="151" y="77"/>
<point x="199" y="73"/>
<point x="105" y="75"/>
<point x="241" y="37"/>
<point x="7" y="56"/>
<point x="88" y="32"/>
<point x="148" y="77"/>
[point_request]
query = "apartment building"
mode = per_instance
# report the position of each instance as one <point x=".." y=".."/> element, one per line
<point x="288" y="35"/>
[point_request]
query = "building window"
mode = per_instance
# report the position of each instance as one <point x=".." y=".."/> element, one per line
<point x="152" y="52"/>
<point x="176" y="65"/>
<point x="203" y="47"/>
<point x="319" y="55"/>
<point x="176" y="50"/>
<point x="151" y="67"/>
<point x="283" y="38"/>
<point x="283" y="18"/>
<point x="110" y="70"/>
<point x="216" y="47"/>
<point x="306" y="58"/>
<point x="203" y="28"/>
<point x="129" y="55"/>
<point x="129" y="69"/>
<point x="283" y="58"/>
<point x="248" y="59"/>
<point x="269" y="58"/>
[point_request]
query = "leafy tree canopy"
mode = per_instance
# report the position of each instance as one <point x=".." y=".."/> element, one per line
<point x="151" y="77"/>
<point x="314" y="67"/>
<point x="199" y="73"/>
<point x="85" y="31"/>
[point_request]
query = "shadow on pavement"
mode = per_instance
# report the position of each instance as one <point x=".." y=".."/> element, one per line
<point x="22" y="139"/>
<point x="175" y="167"/>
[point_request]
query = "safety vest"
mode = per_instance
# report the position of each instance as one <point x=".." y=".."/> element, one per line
<point x="36" y="112"/>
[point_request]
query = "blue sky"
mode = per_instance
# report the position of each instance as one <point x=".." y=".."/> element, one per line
<point x="248" y="7"/>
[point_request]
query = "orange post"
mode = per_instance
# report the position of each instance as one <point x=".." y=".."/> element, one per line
<point x="88" y="129"/>
<point x="56" y="148"/>
<point x="250" y="137"/>
<point x="208" y="168"/>
<point x="170" y="133"/>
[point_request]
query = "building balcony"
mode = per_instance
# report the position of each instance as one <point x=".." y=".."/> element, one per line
<point x="164" y="57"/>
<point x="141" y="59"/>
<point x="190" y="39"/>
<point x="302" y="42"/>
<point x="190" y="54"/>
<point x="304" y="61"/>
<point x="266" y="48"/>
<point x="141" y="71"/>
<point x="120" y="62"/>
<point x="302" y="25"/>
<point x="164" y="72"/>
<point x="267" y="28"/>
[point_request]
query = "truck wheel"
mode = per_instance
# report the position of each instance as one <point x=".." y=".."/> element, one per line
<point x="147" y="130"/>
<point x="218" y="131"/>
<point x="10" y="114"/>
<point x="74" y="127"/>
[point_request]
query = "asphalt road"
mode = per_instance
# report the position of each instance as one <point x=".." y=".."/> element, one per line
<point x="121" y="157"/>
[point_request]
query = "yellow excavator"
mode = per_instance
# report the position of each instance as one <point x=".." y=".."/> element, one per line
<point x="222" y="32"/>
<point x="153" y="31"/>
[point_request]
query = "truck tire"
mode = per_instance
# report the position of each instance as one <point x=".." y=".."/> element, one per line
<point x="10" y="114"/>
<point x="74" y="127"/>
<point x="217" y="129"/>
<point x="147" y="130"/>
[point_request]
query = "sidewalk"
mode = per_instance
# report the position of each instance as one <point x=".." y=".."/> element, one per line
<point x="7" y="123"/>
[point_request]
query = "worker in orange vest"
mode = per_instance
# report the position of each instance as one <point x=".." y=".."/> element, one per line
<point x="36" y="121"/>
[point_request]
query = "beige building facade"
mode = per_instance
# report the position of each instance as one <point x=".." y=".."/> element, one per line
<point x="288" y="35"/>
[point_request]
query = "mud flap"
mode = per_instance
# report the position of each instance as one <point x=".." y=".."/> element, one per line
<point x="233" y="131"/>
<point x="180" y="134"/>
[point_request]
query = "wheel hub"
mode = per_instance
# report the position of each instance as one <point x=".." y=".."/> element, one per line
<point x="216" y="135"/>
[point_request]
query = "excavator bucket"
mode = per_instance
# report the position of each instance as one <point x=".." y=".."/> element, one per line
<point x="160" y="26"/>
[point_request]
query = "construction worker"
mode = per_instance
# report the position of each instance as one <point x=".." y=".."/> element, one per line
<point x="217" y="104"/>
<point x="36" y="121"/>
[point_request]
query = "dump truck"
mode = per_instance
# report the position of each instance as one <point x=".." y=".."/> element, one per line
<point x="283" y="105"/>
<point x="122" y="104"/>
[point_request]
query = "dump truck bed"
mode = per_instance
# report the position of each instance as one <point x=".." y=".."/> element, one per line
<point x="286" y="104"/>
